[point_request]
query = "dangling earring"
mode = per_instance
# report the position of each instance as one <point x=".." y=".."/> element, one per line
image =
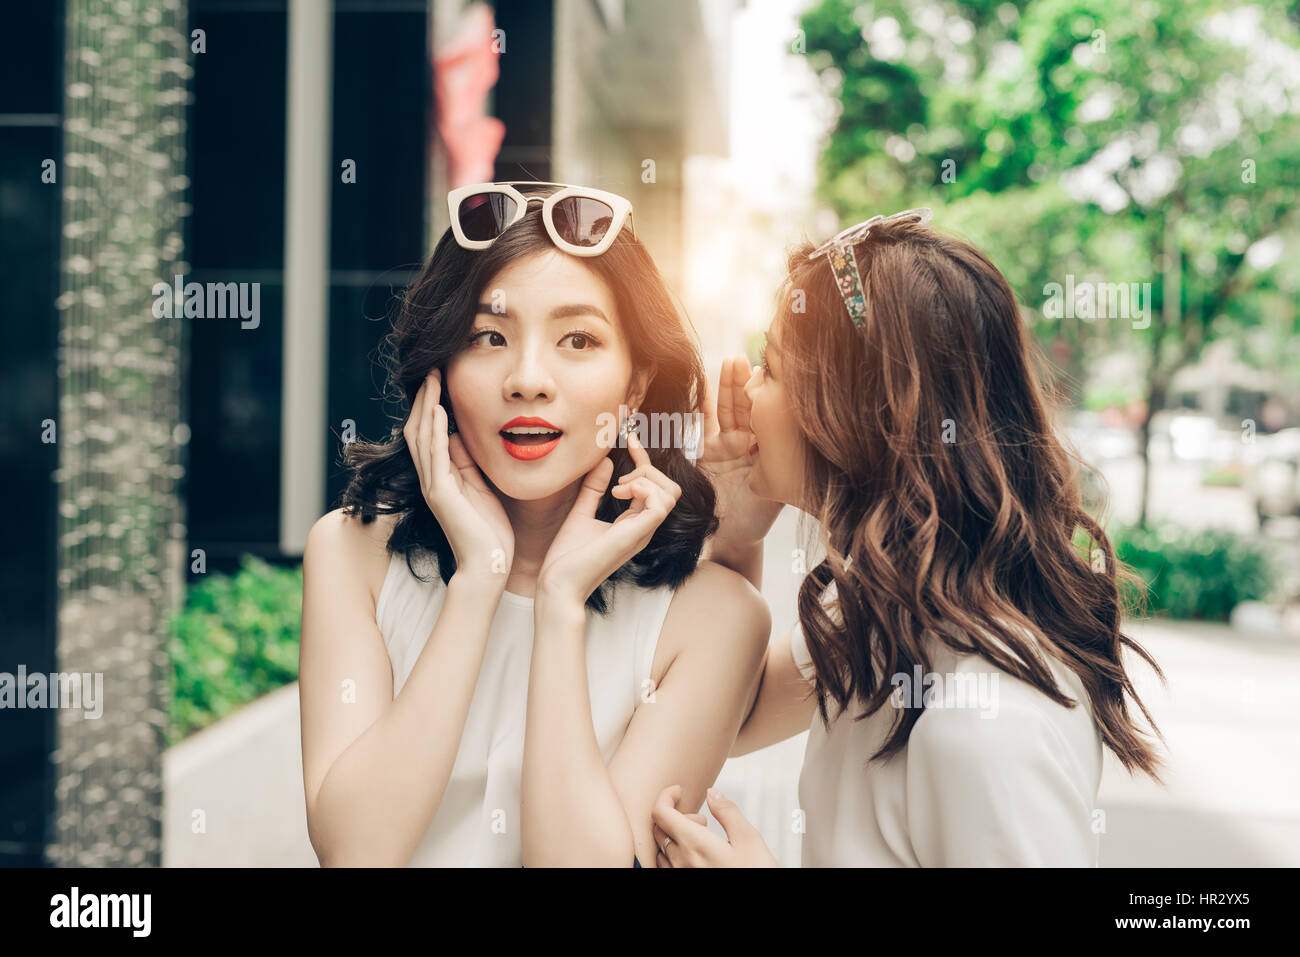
<point x="629" y="423"/>
<point x="451" y="422"/>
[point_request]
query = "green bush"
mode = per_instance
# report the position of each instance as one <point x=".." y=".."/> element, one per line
<point x="1224" y="477"/>
<point x="1201" y="574"/>
<point x="235" y="640"/>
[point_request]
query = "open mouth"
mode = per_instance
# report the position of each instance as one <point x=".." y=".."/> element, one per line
<point x="528" y="439"/>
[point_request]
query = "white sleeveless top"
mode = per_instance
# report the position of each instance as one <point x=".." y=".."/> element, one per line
<point x="478" y="821"/>
<point x="1000" y="775"/>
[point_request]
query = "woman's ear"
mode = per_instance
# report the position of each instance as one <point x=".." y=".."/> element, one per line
<point x="636" y="392"/>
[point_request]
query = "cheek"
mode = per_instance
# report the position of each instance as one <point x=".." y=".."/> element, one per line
<point x="766" y="416"/>
<point x="594" y="387"/>
<point x="782" y="429"/>
<point x="474" y="397"/>
<point x="463" y="388"/>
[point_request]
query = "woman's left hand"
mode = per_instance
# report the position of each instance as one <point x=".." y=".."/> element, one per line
<point x="685" y="841"/>
<point x="586" y="551"/>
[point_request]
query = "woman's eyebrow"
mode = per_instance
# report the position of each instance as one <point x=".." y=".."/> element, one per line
<point x="579" y="309"/>
<point x="559" y="312"/>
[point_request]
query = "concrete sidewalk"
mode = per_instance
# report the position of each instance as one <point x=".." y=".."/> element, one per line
<point x="1231" y="717"/>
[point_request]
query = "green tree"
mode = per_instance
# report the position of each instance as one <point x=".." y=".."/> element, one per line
<point x="1150" y="143"/>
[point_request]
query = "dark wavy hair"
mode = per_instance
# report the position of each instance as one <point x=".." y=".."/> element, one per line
<point x="432" y="323"/>
<point x="946" y="497"/>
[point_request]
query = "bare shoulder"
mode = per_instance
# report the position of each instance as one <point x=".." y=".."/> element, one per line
<point x="719" y="605"/>
<point x="343" y="543"/>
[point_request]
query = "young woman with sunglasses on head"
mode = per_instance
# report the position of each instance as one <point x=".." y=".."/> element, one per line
<point x="897" y="403"/>
<point x="500" y="658"/>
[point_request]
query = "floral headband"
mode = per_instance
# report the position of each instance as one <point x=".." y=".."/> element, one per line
<point x="839" y="253"/>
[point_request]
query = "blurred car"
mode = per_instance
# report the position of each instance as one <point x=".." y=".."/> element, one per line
<point x="1097" y="441"/>
<point x="1274" y="484"/>
<point x="1192" y="437"/>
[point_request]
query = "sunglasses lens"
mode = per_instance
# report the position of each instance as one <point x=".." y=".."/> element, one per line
<point x="581" y="221"/>
<point x="484" y="216"/>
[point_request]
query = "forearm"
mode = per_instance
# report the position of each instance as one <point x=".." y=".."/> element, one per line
<point x="746" y="560"/>
<point x="571" y="813"/>
<point x="783" y="705"/>
<point x="380" y="795"/>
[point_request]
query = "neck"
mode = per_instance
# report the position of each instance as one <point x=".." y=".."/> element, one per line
<point x="535" y="523"/>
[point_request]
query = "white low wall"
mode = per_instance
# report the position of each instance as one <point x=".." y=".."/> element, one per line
<point x="232" y="793"/>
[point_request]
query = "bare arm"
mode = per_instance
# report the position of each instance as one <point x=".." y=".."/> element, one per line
<point x="576" y="810"/>
<point x="781" y="706"/>
<point x="374" y="767"/>
<point x="784" y="705"/>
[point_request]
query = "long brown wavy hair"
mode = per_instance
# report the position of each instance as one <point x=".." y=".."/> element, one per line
<point x="947" y="502"/>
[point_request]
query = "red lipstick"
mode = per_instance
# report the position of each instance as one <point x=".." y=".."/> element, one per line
<point x="527" y="437"/>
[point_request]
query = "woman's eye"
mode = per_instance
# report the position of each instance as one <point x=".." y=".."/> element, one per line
<point x="762" y="359"/>
<point x="489" y="332"/>
<point x="581" y="340"/>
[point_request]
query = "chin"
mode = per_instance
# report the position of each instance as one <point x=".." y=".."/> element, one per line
<point x="525" y="488"/>
<point x="531" y="481"/>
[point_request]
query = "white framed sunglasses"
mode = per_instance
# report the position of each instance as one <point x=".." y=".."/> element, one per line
<point x="580" y="220"/>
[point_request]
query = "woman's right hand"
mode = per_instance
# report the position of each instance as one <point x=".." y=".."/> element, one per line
<point x="469" y="512"/>
<point x="744" y="518"/>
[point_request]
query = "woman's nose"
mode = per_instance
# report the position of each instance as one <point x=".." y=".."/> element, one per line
<point x="755" y="374"/>
<point x="529" y="377"/>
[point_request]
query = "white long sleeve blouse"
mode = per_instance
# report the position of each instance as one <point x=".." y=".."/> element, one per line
<point x="994" y="773"/>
